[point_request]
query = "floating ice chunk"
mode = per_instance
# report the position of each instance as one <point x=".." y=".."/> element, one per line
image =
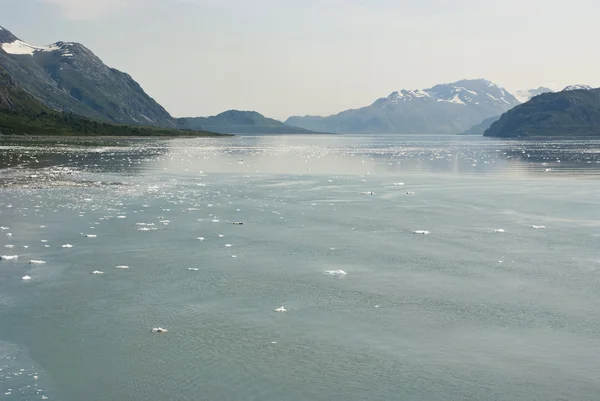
<point x="336" y="272"/>
<point x="67" y="246"/>
<point x="538" y="227"/>
<point x="26" y="278"/>
<point x="37" y="262"/>
<point x="9" y="257"/>
<point x="281" y="309"/>
<point x="91" y="235"/>
<point x="97" y="272"/>
<point x="193" y="269"/>
<point x="159" y="330"/>
<point x="122" y="267"/>
<point x="422" y="232"/>
<point x="499" y="230"/>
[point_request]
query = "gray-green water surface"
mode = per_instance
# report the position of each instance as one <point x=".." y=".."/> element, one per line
<point x="465" y="312"/>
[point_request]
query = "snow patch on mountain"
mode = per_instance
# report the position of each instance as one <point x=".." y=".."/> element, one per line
<point x="577" y="87"/>
<point x="18" y="47"/>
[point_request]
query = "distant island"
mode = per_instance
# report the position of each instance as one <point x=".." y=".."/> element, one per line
<point x="242" y="122"/>
<point x="571" y="113"/>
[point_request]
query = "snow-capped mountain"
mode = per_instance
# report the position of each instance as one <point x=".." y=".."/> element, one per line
<point x="527" y="94"/>
<point x="445" y="108"/>
<point x="577" y="87"/>
<point x="69" y="77"/>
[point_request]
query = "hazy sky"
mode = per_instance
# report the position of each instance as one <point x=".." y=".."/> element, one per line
<point x="296" y="57"/>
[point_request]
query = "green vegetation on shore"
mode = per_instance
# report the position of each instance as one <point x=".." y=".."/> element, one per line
<point x="57" y="123"/>
<point x="22" y="114"/>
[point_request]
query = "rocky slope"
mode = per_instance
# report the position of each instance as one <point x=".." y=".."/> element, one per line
<point x="67" y="76"/>
<point x="22" y="114"/>
<point x="446" y="108"/>
<point x="570" y="113"/>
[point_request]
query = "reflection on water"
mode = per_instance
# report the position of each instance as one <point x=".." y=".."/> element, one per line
<point x="332" y="154"/>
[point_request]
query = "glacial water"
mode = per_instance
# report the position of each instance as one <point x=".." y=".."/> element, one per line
<point x="480" y="305"/>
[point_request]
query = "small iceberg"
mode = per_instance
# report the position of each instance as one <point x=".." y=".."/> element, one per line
<point x="9" y="257"/>
<point x="67" y="246"/>
<point x="422" y="232"/>
<point x="499" y="230"/>
<point x="336" y="273"/>
<point x="122" y="267"/>
<point x="159" y="330"/>
<point x="26" y="278"/>
<point x="97" y="272"/>
<point x="539" y="227"/>
<point x="37" y="262"/>
<point x="281" y="309"/>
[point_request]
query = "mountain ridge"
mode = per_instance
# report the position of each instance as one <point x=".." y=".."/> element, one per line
<point x="444" y="108"/>
<point x="242" y="122"/>
<point x="68" y="76"/>
<point x="569" y="113"/>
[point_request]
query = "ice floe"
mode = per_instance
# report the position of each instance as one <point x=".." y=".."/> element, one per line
<point x="159" y="330"/>
<point x="336" y="272"/>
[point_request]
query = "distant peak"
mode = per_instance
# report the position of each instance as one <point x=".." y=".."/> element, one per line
<point x="577" y="87"/>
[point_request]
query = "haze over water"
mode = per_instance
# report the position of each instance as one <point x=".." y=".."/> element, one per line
<point x="462" y="313"/>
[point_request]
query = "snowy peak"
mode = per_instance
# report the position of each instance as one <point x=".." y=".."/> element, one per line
<point x="465" y="92"/>
<point x="527" y="94"/>
<point x="577" y="87"/>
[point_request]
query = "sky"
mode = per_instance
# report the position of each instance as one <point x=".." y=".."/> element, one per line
<point x="318" y="57"/>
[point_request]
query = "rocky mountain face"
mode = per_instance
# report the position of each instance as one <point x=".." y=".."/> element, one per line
<point x="446" y="108"/>
<point x="569" y="113"/>
<point x="242" y="122"/>
<point x="68" y="77"/>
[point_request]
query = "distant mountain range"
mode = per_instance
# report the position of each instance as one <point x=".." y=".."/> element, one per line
<point x="573" y="112"/>
<point x="446" y="108"/>
<point x="526" y="95"/>
<point x="242" y="122"/>
<point x="68" y="77"/>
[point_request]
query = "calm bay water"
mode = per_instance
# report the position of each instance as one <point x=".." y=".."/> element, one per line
<point x="463" y="313"/>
